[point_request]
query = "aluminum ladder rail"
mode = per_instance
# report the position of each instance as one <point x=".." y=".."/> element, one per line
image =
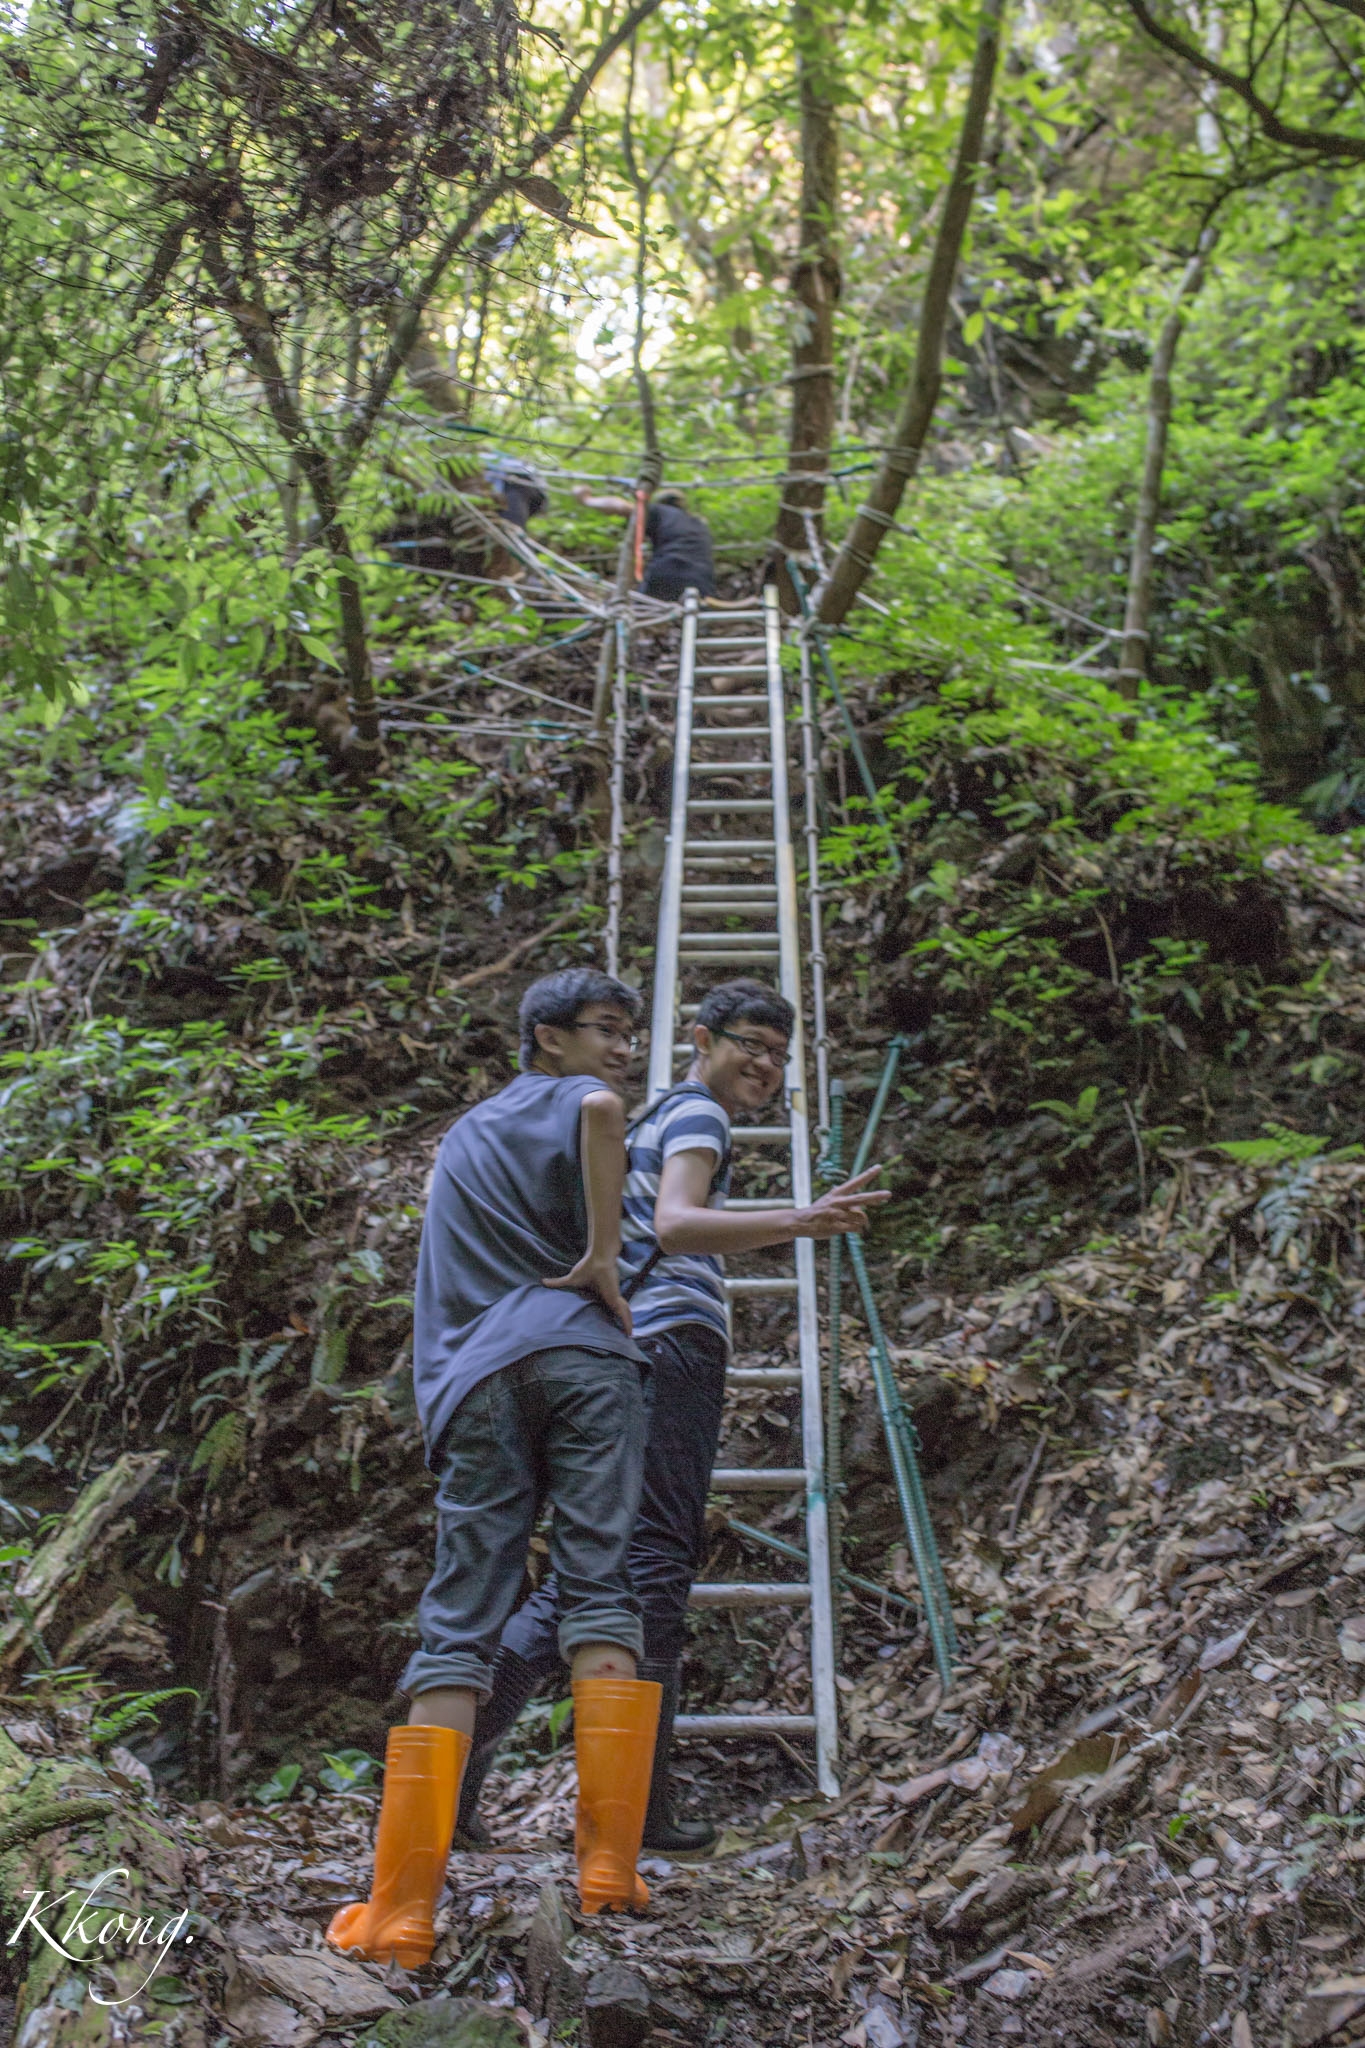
<point x="707" y="874"/>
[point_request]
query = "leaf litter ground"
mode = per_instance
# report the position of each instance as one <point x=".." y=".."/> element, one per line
<point x="1133" y="1816"/>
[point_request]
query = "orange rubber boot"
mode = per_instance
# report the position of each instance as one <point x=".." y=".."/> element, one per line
<point x="615" y="1721"/>
<point x="422" y="1771"/>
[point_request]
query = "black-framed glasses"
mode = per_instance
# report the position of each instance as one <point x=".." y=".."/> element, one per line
<point x="776" y="1056"/>
<point x="610" y="1031"/>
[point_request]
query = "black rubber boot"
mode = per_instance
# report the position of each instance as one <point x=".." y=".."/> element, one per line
<point x="514" y="1681"/>
<point x="662" y="1831"/>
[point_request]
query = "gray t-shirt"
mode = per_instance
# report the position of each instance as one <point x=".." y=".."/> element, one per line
<point x="506" y="1212"/>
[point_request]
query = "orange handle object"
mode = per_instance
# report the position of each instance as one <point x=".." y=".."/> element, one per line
<point x="640" y="499"/>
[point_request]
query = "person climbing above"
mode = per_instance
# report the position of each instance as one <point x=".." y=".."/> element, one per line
<point x="452" y="539"/>
<point x="676" y="1225"/>
<point x="529" y="1387"/>
<point x="516" y="488"/>
<point x="680" y="555"/>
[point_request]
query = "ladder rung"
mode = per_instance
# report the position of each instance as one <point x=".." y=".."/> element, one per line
<point x="744" y="1724"/>
<point x="738" y="640"/>
<point x="758" y="1479"/>
<point x="761" y="1134"/>
<point x="711" y="892"/>
<point x="767" y="1376"/>
<point x="732" y="767"/>
<point x="709" y="939"/>
<point x="719" y="1593"/>
<point x="724" y="908"/>
<point x="753" y="846"/>
<point x="746" y="1287"/>
<point x="752" y="669"/>
<point x="729" y="803"/>
<point x="730" y="701"/>
<point x="751" y="958"/>
<point x="734" y="732"/>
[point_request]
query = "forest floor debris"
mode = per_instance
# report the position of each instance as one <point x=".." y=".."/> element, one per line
<point x="1134" y="1815"/>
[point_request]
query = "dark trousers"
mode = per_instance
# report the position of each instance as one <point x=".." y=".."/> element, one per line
<point x="565" y="1426"/>
<point x="684" y="1401"/>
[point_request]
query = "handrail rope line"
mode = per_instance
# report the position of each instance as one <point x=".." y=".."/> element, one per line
<point x="615" y="885"/>
<point x="891" y="525"/>
<point x="766" y="481"/>
<point x="812" y="630"/>
<point x="902" y="1438"/>
<point x="438" y="431"/>
<point x="766" y="1538"/>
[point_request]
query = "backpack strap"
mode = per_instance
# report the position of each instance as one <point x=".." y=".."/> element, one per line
<point x="637" y="1280"/>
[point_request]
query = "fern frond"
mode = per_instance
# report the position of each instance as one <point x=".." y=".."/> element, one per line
<point x="224" y="1446"/>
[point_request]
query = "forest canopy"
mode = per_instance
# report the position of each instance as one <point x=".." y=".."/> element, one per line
<point x="270" y="271"/>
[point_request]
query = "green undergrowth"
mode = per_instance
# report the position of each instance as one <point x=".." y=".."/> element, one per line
<point x="1089" y="946"/>
<point x="236" y="1020"/>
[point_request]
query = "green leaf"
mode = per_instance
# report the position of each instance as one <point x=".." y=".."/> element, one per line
<point x="279" y="1786"/>
<point x="222" y="1448"/>
<point x="348" y="1770"/>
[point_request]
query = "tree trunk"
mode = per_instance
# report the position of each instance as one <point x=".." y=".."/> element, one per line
<point x="245" y="307"/>
<point x="643" y="184"/>
<point x="816" y="282"/>
<point x="1137" y="615"/>
<point x="901" y="460"/>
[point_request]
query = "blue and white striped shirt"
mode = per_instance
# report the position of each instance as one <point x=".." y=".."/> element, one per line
<point x="685" y="1287"/>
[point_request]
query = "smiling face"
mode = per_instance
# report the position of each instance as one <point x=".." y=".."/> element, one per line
<point x="742" y="1064"/>
<point x="600" y="1042"/>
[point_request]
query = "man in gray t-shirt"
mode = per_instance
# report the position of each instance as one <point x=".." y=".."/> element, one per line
<point x="506" y="1208"/>
<point x="530" y="1390"/>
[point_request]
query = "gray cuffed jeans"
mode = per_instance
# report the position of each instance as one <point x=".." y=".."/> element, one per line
<point x="566" y="1426"/>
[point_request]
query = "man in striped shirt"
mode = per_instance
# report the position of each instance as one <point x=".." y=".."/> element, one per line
<point x="676" y="1230"/>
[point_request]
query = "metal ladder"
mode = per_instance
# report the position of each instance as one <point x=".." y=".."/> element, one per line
<point x="709" y="875"/>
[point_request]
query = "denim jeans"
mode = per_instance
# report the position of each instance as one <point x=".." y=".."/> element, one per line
<point x="565" y="1426"/>
<point x="687" y="1391"/>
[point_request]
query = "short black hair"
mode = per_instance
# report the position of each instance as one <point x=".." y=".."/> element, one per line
<point x="561" y="999"/>
<point x="746" y="1002"/>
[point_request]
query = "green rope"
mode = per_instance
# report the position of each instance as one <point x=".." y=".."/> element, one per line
<point x="794" y="1550"/>
<point x="903" y="1444"/>
<point x="902" y="1438"/>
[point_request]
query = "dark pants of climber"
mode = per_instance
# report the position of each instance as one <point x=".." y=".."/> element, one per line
<point x="687" y="1391"/>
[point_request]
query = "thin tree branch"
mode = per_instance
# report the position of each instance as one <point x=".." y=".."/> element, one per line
<point x="1348" y="147"/>
<point x="405" y="328"/>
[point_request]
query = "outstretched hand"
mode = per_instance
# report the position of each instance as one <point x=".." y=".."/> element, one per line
<point x="844" y="1208"/>
<point x="596" y="1275"/>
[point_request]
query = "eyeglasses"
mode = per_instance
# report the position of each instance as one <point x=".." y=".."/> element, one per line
<point x="775" y="1055"/>
<point x="612" y="1032"/>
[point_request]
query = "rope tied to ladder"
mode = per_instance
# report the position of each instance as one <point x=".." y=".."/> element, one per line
<point x="902" y="1438"/>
